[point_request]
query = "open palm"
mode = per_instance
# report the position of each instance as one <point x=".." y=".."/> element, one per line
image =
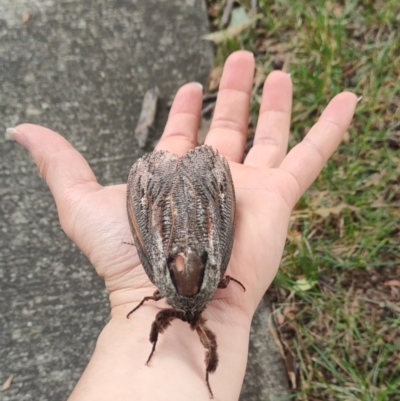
<point x="267" y="184"/>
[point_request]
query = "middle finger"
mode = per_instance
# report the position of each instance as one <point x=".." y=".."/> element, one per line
<point x="228" y="131"/>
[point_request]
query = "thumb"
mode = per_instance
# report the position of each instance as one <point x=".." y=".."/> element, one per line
<point x="64" y="169"/>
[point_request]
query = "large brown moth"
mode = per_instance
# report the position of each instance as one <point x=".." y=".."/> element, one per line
<point x="182" y="216"/>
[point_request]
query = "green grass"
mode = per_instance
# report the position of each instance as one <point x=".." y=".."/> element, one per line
<point x="346" y="332"/>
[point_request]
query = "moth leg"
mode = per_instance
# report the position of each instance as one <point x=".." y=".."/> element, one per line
<point x="225" y="281"/>
<point x="155" y="297"/>
<point x="163" y="320"/>
<point x="209" y="341"/>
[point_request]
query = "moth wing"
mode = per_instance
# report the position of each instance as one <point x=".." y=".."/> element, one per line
<point x="150" y="182"/>
<point x="208" y="173"/>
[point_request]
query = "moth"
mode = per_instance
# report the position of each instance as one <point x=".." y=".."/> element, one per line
<point x="182" y="216"/>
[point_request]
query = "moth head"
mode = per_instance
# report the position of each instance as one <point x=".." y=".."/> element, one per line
<point x="187" y="271"/>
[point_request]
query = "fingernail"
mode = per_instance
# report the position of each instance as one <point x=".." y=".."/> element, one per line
<point x="359" y="99"/>
<point x="248" y="51"/>
<point x="289" y="74"/>
<point x="10" y="132"/>
<point x="18" y="136"/>
<point x="199" y="84"/>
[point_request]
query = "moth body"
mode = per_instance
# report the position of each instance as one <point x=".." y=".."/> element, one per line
<point x="182" y="217"/>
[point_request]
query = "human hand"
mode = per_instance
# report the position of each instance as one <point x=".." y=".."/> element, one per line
<point x="267" y="186"/>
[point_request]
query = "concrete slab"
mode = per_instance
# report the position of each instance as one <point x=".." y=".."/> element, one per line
<point x="81" y="68"/>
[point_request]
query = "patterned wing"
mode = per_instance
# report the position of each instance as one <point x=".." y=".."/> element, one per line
<point x="150" y="183"/>
<point x="207" y="174"/>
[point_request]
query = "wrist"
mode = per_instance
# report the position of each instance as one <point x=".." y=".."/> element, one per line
<point x="177" y="367"/>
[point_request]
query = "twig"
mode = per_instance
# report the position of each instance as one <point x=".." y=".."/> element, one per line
<point x="254" y="6"/>
<point x="210" y="96"/>
<point x="227" y="13"/>
<point x="207" y="109"/>
<point x="147" y="116"/>
<point x="382" y="304"/>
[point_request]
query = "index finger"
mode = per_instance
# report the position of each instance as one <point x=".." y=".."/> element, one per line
<point x="180" y="133"/>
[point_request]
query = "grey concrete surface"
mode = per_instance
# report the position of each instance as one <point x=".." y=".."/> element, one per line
<point x="266" y="378"/>
<point x="81" y="68"/>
